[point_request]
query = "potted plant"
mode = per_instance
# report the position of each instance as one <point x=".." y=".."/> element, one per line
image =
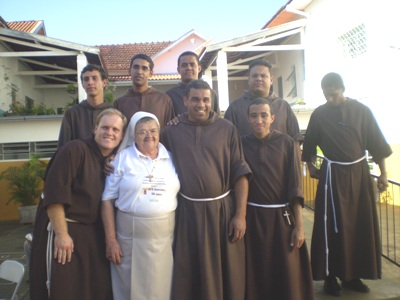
<point x="71" y="89"/>
<point x="25" y="186"/>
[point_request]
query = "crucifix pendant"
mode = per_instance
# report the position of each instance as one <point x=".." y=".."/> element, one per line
<point x="150" y="177"/>
<point x="286" y="214"/>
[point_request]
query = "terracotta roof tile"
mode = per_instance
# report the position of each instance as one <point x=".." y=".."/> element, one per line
<point x="25" y="26"/>
<point x="282" y="17"/>
<point x="118" y="57"/>
<point x="156" y="77"/>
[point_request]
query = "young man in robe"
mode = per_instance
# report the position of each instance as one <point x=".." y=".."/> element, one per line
<point x="78" y="121"/>
<point x="68" y="228"/>
<point x="210" y="218"/>
<point x="189" y="69"/>
<point x="345" y="239"/>
<point x="260" y="86"/>
<point x="141" y="96"/>
<point x="277" y="263"/>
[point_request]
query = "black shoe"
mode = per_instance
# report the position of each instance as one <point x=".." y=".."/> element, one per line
<point x="356" y="285"/>
<point x="332" y="287"/>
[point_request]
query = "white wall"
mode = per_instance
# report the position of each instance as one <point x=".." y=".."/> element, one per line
<point x="168" y="61"/>
<point x="372" y="77"/>
<point x="9" y="67"/>
<point x="29" y="129"/>
<point x="5" y="80"/>
<point x="57" y="97"/>
<point x="285" y="61"/>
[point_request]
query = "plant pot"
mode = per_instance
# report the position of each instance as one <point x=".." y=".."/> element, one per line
<point x="27" y="214"/>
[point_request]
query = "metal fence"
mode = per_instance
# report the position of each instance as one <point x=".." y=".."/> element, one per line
<point x="388" y="207"/>
<point x="388" y="204"/>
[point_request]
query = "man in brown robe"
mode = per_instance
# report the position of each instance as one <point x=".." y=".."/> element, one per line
<point x="210" y="218"/>
<point x="347" y="244"/>
<point x="77" y="266"/>
<point x="141" y="96"/>
<point x="260" y="85"/>
<point x="78" y="121"/>
<point x="189" y="69"/>
<point x="277" y="263"/>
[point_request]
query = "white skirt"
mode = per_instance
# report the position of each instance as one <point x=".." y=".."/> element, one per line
<point x="146" y="266"/>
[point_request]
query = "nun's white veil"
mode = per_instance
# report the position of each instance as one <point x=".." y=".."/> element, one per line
<point x="129" y="138"/>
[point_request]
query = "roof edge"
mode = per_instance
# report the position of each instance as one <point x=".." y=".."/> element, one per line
<point x="45" y="39"/>
<point x="257" y="35"/>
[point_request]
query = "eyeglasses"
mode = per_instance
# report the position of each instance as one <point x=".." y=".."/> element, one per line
<point x="143" y="133"/>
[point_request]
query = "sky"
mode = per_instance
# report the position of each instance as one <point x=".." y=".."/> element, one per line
<point x="100" y="22"/>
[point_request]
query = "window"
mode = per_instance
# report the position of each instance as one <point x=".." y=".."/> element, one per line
<point x="13" y="151"/>
<point x="354" y="42"/>
<point x="293" y="83"/>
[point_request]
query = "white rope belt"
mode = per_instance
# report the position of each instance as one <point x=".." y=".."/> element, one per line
<point x="49" y="254"/>
<point x="328" y="184"/>
<point x="205" y="199"/>
<point x="49" y="251"/>
<point x="268" y="205"/>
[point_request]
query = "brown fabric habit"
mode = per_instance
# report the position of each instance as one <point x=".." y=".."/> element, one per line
<point x="285" y="120"/>
<point x="78" y="121"/>
<point x="151" y="101"/>
<point x="208" y="158"/>
<point x="274" y="269"/>
<point x="343" y="133"/>
<point x="74" y="178"/>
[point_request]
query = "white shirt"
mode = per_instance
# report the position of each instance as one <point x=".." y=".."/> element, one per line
<point x="134" y="190"/>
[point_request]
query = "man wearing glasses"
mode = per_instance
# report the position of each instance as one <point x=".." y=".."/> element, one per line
<point x="141" y="96"/>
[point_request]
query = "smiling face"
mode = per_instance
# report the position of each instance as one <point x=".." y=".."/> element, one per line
<point x="188" y="68"/>
<point x="140" y="72"/>
<point x="260" y="81"/>
<point x="93" y="84"/>
<point x="147" y="136"/>
<point x="198" y="104"/>
<point x="108" y="133"/>
<point x="260" y="119"/>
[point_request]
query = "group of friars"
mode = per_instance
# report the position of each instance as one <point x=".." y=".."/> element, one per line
<point x="204" y="207"/>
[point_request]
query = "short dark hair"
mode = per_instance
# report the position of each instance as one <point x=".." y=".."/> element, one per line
<point x="260" y="62"/>
<point x="188" y="53"/>
<point x="259" y="101"/>
<point x="92" y="67"/>
<point x="197" y="84"/>
<point x="142" y="56"/>
<point x="332" y="80"/>
<point x="265" y="63"/>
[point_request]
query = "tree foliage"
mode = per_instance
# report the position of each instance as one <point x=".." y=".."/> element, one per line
<point x="24" y="182"/>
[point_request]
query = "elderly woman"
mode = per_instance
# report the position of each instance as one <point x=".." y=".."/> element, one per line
<point x="139" y="235"/>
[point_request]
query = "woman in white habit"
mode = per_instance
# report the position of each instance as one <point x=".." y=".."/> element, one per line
<point x="138" y="212"/>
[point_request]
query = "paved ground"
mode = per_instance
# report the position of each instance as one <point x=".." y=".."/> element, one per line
<point x="12" y="237"/>
<point x="11" y="247"/>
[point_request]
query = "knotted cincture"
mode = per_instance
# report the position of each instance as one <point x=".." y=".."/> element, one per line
<point x="328" y="184"/>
